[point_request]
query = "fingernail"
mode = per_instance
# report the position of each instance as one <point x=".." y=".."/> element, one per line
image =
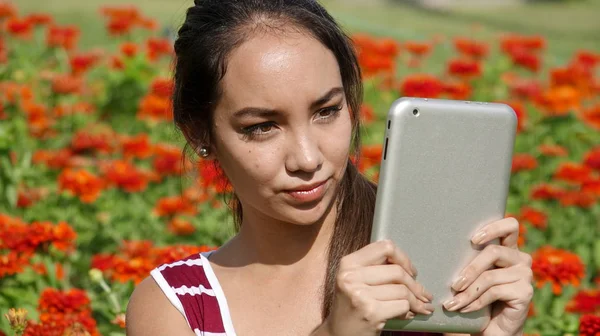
<point x="429" y="308"/>
<point x="459" y="283"/>
<point x="479" y="237"/>
<point x="410" y="315"/>
<point x="450" y="304"/>
<point x="467" y="309"/>
<point x="427" y="296"/>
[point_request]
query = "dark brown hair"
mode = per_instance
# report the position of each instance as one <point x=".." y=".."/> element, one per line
<point x="212" y="29"/>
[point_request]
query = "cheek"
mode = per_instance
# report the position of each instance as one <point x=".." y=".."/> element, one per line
<point x="248" y="165"/>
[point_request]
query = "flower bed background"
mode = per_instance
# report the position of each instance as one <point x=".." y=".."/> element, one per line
<point x="95" y="191"/>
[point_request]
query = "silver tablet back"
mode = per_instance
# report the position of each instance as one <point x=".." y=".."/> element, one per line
<point x="444" y="173"/>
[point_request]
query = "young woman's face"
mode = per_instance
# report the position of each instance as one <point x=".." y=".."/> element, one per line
<point x="282" y="127"/>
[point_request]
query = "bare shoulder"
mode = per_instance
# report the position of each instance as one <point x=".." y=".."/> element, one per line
<point x="150" y="313"/>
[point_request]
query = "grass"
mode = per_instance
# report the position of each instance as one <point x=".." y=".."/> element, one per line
<point x="567" y="26"/>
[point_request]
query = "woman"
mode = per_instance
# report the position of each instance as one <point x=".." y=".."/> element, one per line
<point x="271" y="89"/>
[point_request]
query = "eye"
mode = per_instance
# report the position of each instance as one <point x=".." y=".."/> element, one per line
<point x="328" y="112"/>
<point x="257" y="130"/>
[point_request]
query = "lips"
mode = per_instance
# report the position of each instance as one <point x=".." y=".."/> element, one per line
<point x="308" y="193"/>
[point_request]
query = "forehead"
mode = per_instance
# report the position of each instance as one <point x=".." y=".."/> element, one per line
<point x="278" y="69"/>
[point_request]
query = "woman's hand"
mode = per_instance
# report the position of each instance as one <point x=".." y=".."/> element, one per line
<point x="508" y="287"/>
<point x="374" y="284"/>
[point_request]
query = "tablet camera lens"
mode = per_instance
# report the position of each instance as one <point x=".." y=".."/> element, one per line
<point x="416" y="112"/>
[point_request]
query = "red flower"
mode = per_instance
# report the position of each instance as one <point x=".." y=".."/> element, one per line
<point x="98" y="139"/>
<point x="126" y="176"/>
<point x="546" y="192"/>
<point x="82" y="62"/>
<point x="573" y="172"/>
<point x="20" y="28"/>
<point x="137" y="146"/>
<point x="577" y="198"/>
<point x="7" y="10"/>
<point x="168" y="160"/>
<point x="464" y="69"/>
<point x="592" y="158"/>
<point x="558" y="267"/>
<point x="421" y="85"/>
<point x="591" y="116"/>
<point x="65" y="37"/>
<point x="523" y="161"/>
<point x="536" y="217"/>
<point x="559" y="101"/>
<point x="585" y="301"/>
<point x="471" y="48"/>
<point x="591" y="187"/>
<point x="158" y="47"/>
<point x="589" y="325"/>
<point x="154" y="107"/>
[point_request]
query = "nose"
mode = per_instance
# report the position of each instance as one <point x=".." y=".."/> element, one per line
<point x="304" y="154"/>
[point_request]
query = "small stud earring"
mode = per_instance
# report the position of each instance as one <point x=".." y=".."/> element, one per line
<point x="204" y="152"/>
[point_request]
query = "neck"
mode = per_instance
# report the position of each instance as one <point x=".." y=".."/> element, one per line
<point x="274" y="244"/>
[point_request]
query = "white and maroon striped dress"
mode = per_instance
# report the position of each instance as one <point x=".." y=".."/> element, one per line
<point x="192" y="287"/>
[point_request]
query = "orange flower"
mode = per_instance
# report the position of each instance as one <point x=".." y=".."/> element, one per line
<point x="129" y="49"/>
<point x="64" y="37"/>
<point x="559" y="101"/>
<point x="458" y="90"/>
<point x="370" y="156"/>
<point x="573" y="172"/>
<point x="510" y="42"/>
<point x="366" y="113"/>
<point x="66" y="84"/>
<point x="536" y="217"/>
<point x="55" y="159"/>
<point x="464" y="69"/>
<point x="471" y="48"/>
<point x="587" y="58"/>
<point x="212" y="177"/>
<point x="39" y="18"/>
<point x="421" y="85"/>
<point x="27" y="197"/>
<point x="591" y="116"/>
<point x="575" y="76"/>
<point x="19" y="27"/>
<point x="523" y="161"/>
<point x="376" y="56"/>
<point x="169" y="206"/>
<point x="154" y="107"/>
<point x="117" y="63"/>
<point x="126" y="176"/>
<point x="168" y="160"/>
<point x="7" y="9"/>
<point x="557" y="267"/>
<point x="553" y="150"/>
<point x="525" y="59"/>
<point x="525" y="88"/>
<point x="137" y="146"/>
<point x="418" y="48"/>
<point x="181" y="227"/>
<point x="520" y="112"/>
<point x="81" y="183"/>
<point x="119" y="320"/>
<point x="119" y="26"/>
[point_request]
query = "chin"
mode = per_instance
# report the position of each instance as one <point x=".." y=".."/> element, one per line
<point x="309" y="213"/>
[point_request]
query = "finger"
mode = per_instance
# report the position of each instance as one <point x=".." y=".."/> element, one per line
<point x="392" y="274"/>
<point x="519" y="292"/>
<point x="485" y="281"/>
<point x="377" y="253"/>
<point x="385" y="310"/>
<point x="399" y="292"/>
<point x="506" y="229"/>
<point x="492" y="255"/>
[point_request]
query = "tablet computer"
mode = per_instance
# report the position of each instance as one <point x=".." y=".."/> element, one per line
<point x="444" y="173"/>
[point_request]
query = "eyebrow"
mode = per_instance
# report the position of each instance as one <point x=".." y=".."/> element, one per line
<point x="266" y="113"/>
